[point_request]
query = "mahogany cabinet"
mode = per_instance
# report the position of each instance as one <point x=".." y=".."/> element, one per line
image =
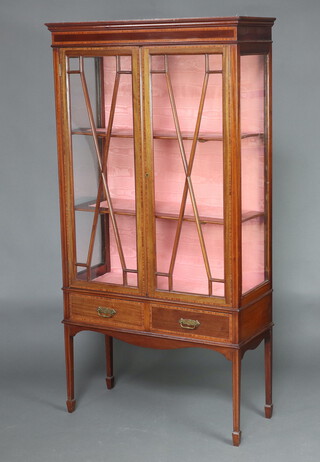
<point x="164" y="148"/>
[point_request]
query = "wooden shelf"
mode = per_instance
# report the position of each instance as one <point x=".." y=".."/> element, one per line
<point x="203" y="137"/>
<point x="102" y="132"/>
<point x="188" y="136"/>
<point x="250" y="215"/>
<point x="167" y="135"/>
<point x="120" y="207"/>
<point x="208" y="219"/>
<point x="125" y="207"/>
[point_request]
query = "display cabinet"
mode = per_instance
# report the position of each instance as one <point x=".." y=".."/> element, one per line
<point x="164" y="148"/>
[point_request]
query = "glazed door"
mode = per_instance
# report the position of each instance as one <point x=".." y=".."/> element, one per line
<point x="185" y="142"/>
<point x="103" y="146"/>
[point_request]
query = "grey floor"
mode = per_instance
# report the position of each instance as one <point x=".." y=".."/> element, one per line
<point x="166" y="406"/>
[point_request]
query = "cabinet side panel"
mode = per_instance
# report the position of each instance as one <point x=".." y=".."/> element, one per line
<point x="254" y="170"/>
<point x="255" y="318"/>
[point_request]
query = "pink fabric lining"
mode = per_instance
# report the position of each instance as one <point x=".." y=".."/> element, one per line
<point x="187" y="74"/>
<point x="187" y="78"/>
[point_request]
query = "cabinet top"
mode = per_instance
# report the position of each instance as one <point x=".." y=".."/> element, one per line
<point x="162" y="31"/>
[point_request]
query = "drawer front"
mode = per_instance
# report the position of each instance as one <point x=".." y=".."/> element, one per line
<point x="191" y="323"/>
<point x="103" y="311"/>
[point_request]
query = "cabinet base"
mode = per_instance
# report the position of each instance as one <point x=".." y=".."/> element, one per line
<point x="232" y="352"/>
<point x="268" y="410"/>
<point x="71" y="405"/>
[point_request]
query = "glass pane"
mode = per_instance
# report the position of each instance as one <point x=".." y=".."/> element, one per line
<point x="123" y="116"/>
<point x="187" y="121"/>
<point x="101" y="119"/>
<point x="77" y="104"/>
<point x="253" y="171"/>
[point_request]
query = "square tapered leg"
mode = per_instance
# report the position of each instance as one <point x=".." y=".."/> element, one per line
<point x="109" y="361"/>
<point x="68" y="342"/>
<point x="236" y="382"/>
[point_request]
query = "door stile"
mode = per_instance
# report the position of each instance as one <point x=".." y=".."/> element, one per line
<point x="138" y="127"/>
<point x="59" y="130"/>
<point x="148" y="172"/>
<point x="227" y="170"/>
<point x="66" y="176"/>
<point x="234" y="193"/>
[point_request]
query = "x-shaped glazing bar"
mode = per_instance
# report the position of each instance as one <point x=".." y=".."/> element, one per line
<point x="102" y="161"/>
<point x="106" y="145"/>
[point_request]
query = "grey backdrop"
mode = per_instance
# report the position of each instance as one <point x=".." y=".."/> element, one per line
<point x="167" y="406"/>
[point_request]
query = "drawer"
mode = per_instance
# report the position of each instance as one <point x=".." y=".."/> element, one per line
<point x="191" y="323"/>
<point x="103" y="311"/>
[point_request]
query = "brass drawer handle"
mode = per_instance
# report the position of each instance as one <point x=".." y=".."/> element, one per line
<point x="106" y="312"/>
<point x="189" y="323"/>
